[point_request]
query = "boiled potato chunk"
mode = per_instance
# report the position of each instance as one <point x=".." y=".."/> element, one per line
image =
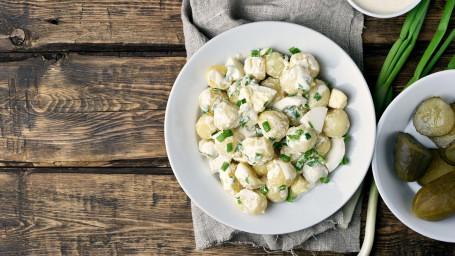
<point x="322" y="144"/>
<point x="255" y="67"/>
<point x="305" y="60"/>
<point x="434" y="117"/>
<point x="205" y="126"/>
<point x="275" y="63"/>
<point x="229" y="181"/>
<point x="411" y="158"/>
<point x="207" y="148"/>
<point x="315" y="172"/>
<point x="276" y="194"/>
<point x="338" y="99"/>
<point x="216" y="77"/>
<point x="209" y="99"/>
<point x="226" y="116"/>
<point x="436" y="169"/>
<point x="247" y="176"/>
<point x="299" y="187"/>
<point x="301" y="138"/>
<point x="296" y="80"/>
<point x="319" y="95"/>
<point x="280" y="173"/>
<point x="274" y="83"/>
<point x="336" y="123"/>
<point x="250" y="202"/>
<point x="436" y="200"/>
<point x="274" y="124"/>
<point x="260" y="170"/>
<point x="257" y="150"/>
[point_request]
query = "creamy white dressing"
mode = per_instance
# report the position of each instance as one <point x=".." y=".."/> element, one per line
<point x="300" y="75"/>
<point x="207" y="147"/>
<point x="234" y="69"/>
<point x="218" y="79"/>
<point x="255" y="66"/>
<point x="288" y="171"/>
<point x="384" y="6"/>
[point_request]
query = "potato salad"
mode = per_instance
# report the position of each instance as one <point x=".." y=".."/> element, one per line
<point x="270" y="127"/>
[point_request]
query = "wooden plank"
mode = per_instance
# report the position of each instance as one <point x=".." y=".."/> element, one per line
<point x="108" y="25"/>
<point x="96" y="214"/>
<point x="89" y="25"/>
<point x="81" y="109"/>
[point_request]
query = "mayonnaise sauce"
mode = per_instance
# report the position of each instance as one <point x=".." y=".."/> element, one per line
<point x="384" y="6"/>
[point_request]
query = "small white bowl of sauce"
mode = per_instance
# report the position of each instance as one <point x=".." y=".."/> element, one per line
<point x="384" y="8"/>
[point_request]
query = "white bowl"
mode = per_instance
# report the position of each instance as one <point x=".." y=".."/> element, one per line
<point x="192" y="170"/>
<point x="397" y="194"/>
<point x="383" y="15"/>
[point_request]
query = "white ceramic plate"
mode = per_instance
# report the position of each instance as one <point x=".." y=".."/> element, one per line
<point x="397" y="194"/>
<point x="192" y="170"/>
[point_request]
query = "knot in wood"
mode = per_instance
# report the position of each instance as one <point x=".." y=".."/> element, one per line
<point x="17" y="36"/>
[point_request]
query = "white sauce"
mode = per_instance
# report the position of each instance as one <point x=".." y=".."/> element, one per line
<point x="384" y="6"/>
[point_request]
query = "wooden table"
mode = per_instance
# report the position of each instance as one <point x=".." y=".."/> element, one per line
<point x="83" y="91"/>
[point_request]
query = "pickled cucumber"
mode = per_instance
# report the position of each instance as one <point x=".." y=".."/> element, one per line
<point x="411" y="158"/>
<point x="434" y="117"/>
<point x="436" y="169"/>
<point x="448" y="154"/>
<point x="436" y="200"/>
<point x="445" y="140"/>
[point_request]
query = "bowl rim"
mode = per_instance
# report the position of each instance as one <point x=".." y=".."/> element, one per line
<point x="172" y="158"/>
<point x="383" y="16"/>
<point x="375" y="164"/>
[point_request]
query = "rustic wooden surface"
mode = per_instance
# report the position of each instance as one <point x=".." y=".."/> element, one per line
<point x="83" y="91"/>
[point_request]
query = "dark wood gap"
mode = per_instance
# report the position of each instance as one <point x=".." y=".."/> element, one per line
<point x="94" y="170"/>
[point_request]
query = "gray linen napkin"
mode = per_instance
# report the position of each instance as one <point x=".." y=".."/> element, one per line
<point x="202" y="20"/>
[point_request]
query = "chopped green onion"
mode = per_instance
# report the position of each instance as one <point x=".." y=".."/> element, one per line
<point x="294" y="50"/>
<point x="224" y="166"/>
<point x="204" y="112"/>
<point x="306" y="97"/>
<point x="327" y="82"/>
<point x="225" y="134"/>
<point x="213" y="133"/>
<point x="311" y="125"/>
<point x="317" y="96"/>
<point x="255" y="53"/>
<point x="246" y="180"/>
<point x="306" y="106"/>
<point x="258" y="155"/>
<point x="229" y="147"/>
<point x="312" y="162"/>
<point x="292" y="95"/>
<point x="325" y="180"/>
<point x="295" y="114"/>
<point x="344" y="161"/>
<point x="269" y="50"/>
<point x="244" y="120"/>
<point x="265" y="104"/>
<point x="240" y="102"/>
<point x="277" y="145"/>
<point x="282" y="187"/>
<point x="272" y="138"/>
<point x="264" y="190"/>
<point x="238" y="200"/>
<point x="346" y="138"/>
<point x="290" y="199"/>
<point x="285" y="158"/>
<point x="307" y="136"/>
<point x="266" y="126"/>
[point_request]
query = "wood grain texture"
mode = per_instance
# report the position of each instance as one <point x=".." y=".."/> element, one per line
<point x="98" y="214"/>
<point x="91" y="25"/>
<point x="78" y="109"/>
<point x="107" y="25"/>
